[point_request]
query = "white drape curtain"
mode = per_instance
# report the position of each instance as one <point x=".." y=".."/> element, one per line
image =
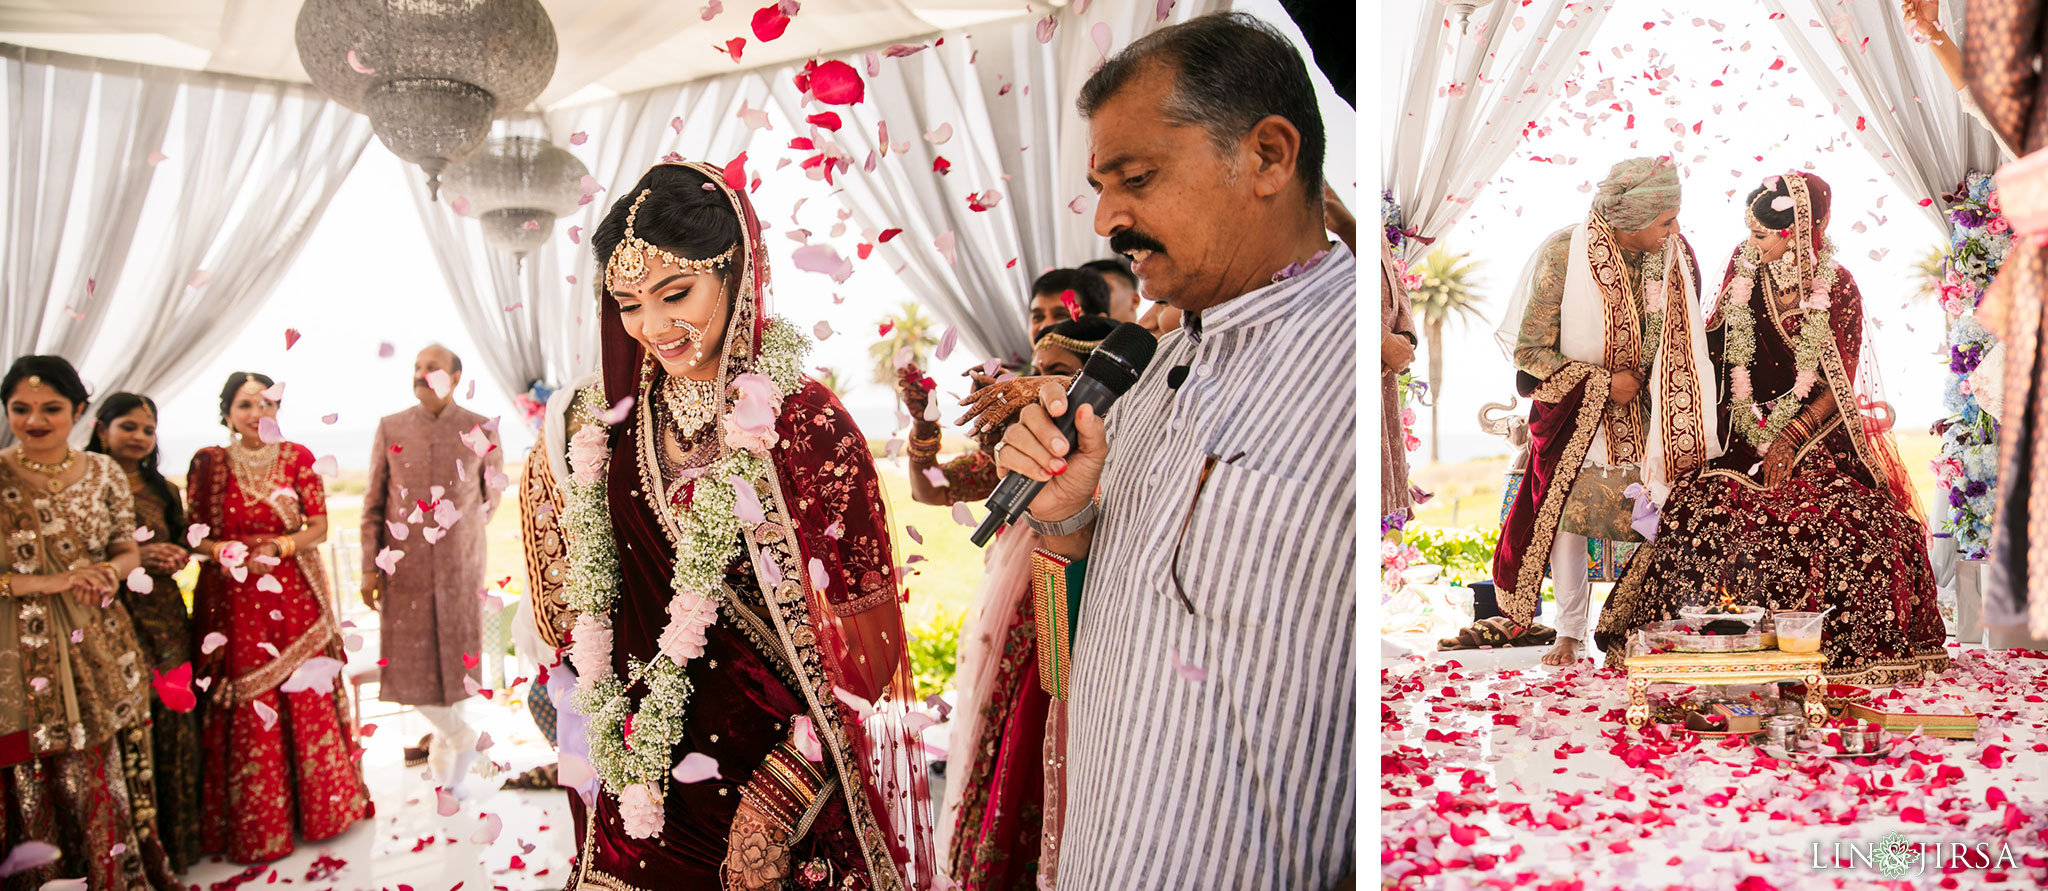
<point x="251" y="167"/>
<point x="79" y="135"/>
<point x="1462" y="99"/>
<point x="1913" y="121"/>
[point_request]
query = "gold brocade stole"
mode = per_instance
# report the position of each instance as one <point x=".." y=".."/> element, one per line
<point x="1682" y="419"/>
<point x="1623" y="338"/>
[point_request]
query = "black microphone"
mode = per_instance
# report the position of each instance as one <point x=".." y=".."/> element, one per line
<point x="1112" y="369"/>
<point x="1176" y="376"/>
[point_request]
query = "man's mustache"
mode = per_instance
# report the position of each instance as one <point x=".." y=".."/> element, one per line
<point x="1132" y="240"/>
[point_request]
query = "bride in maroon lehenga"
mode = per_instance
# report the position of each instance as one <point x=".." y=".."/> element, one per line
<point x="1809" y="508"/>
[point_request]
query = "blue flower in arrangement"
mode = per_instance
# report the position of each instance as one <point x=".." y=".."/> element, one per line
<point x="1979" y="239"/>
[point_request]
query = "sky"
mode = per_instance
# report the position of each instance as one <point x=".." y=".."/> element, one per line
<point x="367" y="277"/>
<point x="1756" y="123"/>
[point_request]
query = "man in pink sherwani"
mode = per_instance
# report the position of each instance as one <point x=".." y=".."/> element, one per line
<point x="436" y="473"/>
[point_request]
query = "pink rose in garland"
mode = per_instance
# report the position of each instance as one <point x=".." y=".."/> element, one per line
<point x="587" y="454"/>
<point x="640" y="810"/>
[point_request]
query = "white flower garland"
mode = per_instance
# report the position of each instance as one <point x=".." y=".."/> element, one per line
<point x="630" y="748"/>
<point x="1814" y="333"/>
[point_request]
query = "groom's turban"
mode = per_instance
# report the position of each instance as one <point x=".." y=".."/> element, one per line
<point x="1636" y="192"/>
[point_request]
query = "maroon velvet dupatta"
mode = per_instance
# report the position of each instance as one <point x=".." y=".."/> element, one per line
<point x="824" y="640"/>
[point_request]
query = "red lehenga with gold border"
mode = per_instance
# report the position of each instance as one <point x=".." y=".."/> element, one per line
<point x="276" y="762"/>
<point x="1843" y="532"/>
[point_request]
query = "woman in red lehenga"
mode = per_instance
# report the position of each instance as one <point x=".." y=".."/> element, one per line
<point x="275" y="761"/>
<point x="1809" y="508"/>
<point x="739" y="645"/>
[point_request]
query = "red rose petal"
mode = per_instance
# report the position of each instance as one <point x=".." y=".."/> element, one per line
<point x="836" y="83"/>
<point x="769" y="22"/>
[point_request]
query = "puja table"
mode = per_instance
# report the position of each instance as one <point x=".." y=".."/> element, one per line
<point x="1722" y="669"/>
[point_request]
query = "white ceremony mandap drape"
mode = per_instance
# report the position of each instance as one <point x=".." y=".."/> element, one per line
<point x="1461" y="100"/>
<point x="1891" y="94"/>
<point x="177" y="210"/>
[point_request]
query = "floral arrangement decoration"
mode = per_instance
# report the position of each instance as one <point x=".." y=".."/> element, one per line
<point x="1979" y="239"/>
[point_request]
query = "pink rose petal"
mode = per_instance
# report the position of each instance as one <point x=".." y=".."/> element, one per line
<point x="696" y="767"/>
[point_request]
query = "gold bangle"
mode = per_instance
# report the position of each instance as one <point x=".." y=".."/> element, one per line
<point x="286" y="546"/>
<point x="6" y="584"/>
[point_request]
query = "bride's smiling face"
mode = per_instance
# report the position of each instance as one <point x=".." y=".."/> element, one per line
<point x="677" y="316"/>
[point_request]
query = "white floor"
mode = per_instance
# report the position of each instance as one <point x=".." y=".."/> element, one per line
<point x="410" y="844"/>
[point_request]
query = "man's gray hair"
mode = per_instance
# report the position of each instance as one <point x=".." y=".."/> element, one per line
<point x="1230" y="71"/>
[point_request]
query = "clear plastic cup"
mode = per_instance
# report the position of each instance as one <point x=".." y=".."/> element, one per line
<point x="1798" y="632"/>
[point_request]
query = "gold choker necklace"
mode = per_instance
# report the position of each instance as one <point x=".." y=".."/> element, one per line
<point x="692" y="403"/>
<point x="53" y="471"/>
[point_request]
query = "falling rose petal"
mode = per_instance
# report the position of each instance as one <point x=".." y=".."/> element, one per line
<point x="441" y="382"/>
<point x="356" y="63"/>
<point x="578" y="138"/>
<point x="886" y="235"/>
<point x="770" y="22"/>
<point x="696" y="767"/>
<point x="1190" y="673"/>
<point x="988" y="367"/>
<point x="154" y="159"/>
<point x="746" y="502"/>
<point x="270" y="584"/>
<point x="915" y="535"/>
<point x="862" y="709"/>
<point x="1100" y="34"/>
<point x="733" y="48"/>
<point x="433" y="535"/>
<point x="820" y="580"/>
<point x="459" y="206"/>
<point x="386" y="350"/>
<point x="806" y="739"/>
<point x="617" y="412"/>
<point x="824" y="120"/>
<point x="399" y="531"/>
<point x="199" y="279"/>
<point x="944" y="242"/>
<point x="1046" y="26"/>
<point x="325" y="465"/>
<point x="266" y="430"/>
<point x="315" y="674"/>
<point x="575" y="234"/>
<point x="823" y="331"/>
<point x="174" y="688"/>
<point x="64" y="885"/>
<point x="387" y="560"/>
<point x="530" y="225"/>
<point x="940" y="135"/>
<point x="214" y="641"/>
<point x="836" y="531"/>
<point x="941" y="166"/>
<point x="905" y="50"/>
<point x="836" y="83"/>
<point x="936" y="477"/>
<point x="1162" y="9"/>
<point x="712" y="10"/>
<point x="1080" y="203"/>
<point x="963" y="516"/>
<point x="267" y="714"/>
<point x="140" y="582"/>
<point x="144" y="533"/>
<point x="489" y="831"/>
<point x="29" y="855"/>
<point x="822" y="258"/>
<point x="353" y="643"/>
<point x="676" y="123"/>
<point x="735" y="172"/>
<point x="445" y="804"/>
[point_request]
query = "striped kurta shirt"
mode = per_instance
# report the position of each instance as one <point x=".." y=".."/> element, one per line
<point x="1212" y="748"/>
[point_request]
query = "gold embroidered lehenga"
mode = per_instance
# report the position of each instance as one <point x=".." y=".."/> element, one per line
<point x="74" y="694"/>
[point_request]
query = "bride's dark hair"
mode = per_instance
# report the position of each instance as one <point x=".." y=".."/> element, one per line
<point x="1760" y="199"/>
<point x="684" y="213"/>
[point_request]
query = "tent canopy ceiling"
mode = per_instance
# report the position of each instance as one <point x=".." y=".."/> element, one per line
<point x="608" y="47"/>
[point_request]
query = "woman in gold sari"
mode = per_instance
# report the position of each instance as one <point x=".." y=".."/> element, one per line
<point x="74" y="687"/>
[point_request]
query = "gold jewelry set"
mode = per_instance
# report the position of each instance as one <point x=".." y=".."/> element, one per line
<point x="921" y="449"/>
<point x="691" y="403"/>
<point x="630" y="260"/>
<point x="53" y="471"/>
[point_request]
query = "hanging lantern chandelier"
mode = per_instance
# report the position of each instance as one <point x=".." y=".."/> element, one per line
<point x="431" y="75"/>
<point x="516" y="187"/>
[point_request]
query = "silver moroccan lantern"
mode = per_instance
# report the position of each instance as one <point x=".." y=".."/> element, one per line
<point x="430" y="74"/>
<point x="516" y="186"/>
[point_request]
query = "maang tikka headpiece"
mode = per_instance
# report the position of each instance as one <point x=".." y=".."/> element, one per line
<point x="630" y="259"/>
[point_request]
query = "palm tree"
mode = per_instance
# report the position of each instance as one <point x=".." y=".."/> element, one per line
<point x="909" y="327"/>
<point x="1928" y="273"/>
<point x="1444" y="292"/>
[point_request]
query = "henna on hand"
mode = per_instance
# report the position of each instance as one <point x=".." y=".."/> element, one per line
<point x="756" y="856"/>
<point x="994" y="405"/>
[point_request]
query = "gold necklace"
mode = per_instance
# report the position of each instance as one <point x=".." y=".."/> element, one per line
<point x="53" y="471"/>
<point x="692" y="403"/>
<point x="252" y="468"/>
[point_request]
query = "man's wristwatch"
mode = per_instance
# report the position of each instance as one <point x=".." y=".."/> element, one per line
<point x="1068" y="526"/>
